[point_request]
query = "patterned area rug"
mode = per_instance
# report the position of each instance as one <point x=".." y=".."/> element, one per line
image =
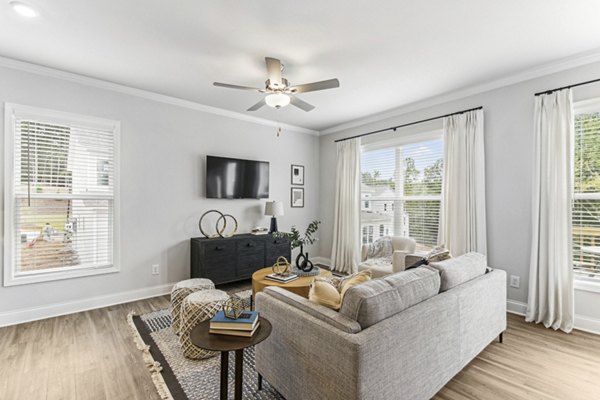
<point x="179" y="378"/>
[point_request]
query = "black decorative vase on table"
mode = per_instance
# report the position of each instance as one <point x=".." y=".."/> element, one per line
<point x="304" y="267"/>
<point x="302" y="261"/>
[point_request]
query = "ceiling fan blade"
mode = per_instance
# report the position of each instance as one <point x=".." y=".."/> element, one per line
<point x="229" y="86"/>
<point x="314" y="86"/>
<point x="301" y="104"/>
<point x="257" y="105"/>
<point x="274" y="71"/>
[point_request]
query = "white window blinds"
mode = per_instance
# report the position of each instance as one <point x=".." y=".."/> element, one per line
<point x="403" y="185"/>
<point x="586" y="197"/>
<point x="63" y="194"/>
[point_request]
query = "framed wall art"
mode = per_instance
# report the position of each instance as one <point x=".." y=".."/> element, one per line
<point x="297" y="198"/>
<point x="297" y="174"/>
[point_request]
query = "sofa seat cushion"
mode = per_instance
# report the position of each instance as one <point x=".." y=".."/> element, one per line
<point x="458" y="270"/>
<point x="378" y="299"/>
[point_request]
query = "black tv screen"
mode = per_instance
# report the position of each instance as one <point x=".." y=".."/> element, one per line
<point x="233" y="178"/>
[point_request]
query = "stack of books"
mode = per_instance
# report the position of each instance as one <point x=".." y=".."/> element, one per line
<point x="246" y="325"/>
<point x="259" y="231"/>
<point x="281" y="278"/>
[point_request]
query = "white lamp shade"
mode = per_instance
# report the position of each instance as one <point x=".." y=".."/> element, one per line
<point x="274" y="208"/>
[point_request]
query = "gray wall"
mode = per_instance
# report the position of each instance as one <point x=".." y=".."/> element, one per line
<point x="162" y="179"/>
<point x="508" y="149"/>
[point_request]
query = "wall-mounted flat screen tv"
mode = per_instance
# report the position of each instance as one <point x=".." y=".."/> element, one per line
<point x="233" y="178"/>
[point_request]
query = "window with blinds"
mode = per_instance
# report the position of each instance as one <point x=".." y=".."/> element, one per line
<point x="586" y="196"/>
<point x="401" y="188"/>
<point x="61" y="204"/>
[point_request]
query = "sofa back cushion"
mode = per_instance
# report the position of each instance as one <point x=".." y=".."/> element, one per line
<point x="378" y="299"/>
<point x="458" y="270"/>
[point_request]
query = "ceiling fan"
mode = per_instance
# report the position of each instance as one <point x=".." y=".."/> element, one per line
<point x="280" y="93"/>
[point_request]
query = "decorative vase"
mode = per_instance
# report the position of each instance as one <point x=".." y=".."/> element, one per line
<point x="302" y="261"/>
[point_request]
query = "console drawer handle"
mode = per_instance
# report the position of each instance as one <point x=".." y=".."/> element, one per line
<point x="219" y="248"/>
<point x="250" y="244"/>
<point x="276" y="241"/>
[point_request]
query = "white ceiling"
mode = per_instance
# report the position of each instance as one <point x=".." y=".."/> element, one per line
<point x="385" y="53"/>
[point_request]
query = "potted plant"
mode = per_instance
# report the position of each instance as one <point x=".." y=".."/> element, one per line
<point x="296" y="240"/>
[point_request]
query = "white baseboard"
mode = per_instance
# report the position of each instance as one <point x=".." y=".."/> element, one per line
<point x="587" y="324"/>
<point x="582" y="323"/>
<point x="516" y="307"/>
<point x="54" y="310"/>
<point x="321" y="260"/>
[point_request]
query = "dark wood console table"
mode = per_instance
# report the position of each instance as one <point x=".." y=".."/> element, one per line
<point x="236" y="258"/>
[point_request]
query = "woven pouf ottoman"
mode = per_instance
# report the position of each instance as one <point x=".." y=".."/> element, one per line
<point x="198" y="307"/>
<point x="180" y="291"/>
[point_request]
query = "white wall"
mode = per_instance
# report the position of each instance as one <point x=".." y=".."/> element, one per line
<point x="509" y="146"/>
<point x="162" y="178"/>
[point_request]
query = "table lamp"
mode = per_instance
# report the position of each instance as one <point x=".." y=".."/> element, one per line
<point x="274" y="209"/>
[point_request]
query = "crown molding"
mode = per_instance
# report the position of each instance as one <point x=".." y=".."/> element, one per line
<point x="145" y="94"/>
<point x="562" y="64"/>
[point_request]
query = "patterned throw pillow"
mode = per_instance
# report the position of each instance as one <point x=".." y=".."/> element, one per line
<point x="437" y="254"/>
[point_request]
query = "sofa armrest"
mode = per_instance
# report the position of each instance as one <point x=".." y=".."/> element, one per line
<point x="363" y="252"/>
<point x="305" y="355"/>
<point x="398" y="260"/>
<point x="412" y="259"/>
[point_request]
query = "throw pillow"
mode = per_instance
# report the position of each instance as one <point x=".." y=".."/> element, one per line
<point x="438" y="253"/>
<point x="323" y="292"/>
<point x="353" y="280"/>
<point x="329" y="291"/>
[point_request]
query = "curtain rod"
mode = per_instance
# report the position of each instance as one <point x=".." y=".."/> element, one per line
<point x="567" y="87"/>
<point x="393" y="128"/>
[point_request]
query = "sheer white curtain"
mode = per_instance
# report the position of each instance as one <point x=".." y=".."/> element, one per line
<point x="462" y="217"/>
<point x="551" y="273"/>
<point x="346" y="229"/>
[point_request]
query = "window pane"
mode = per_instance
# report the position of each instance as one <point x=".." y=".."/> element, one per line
<point x="62" y="216"/>
<point x="587" y="153"/>
<point x="63" y="233"/>
<point x="586" y="205"/>
<point x="403" y="185"/>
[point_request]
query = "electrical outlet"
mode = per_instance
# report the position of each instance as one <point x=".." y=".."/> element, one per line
<point x="155" y="269"/>
<point x="515" y="281"/>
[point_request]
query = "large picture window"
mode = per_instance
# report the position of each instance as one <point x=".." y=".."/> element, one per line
<point x="401" y="189"/>
<point x="586" y="185"/>
<point x="61" y="195"/>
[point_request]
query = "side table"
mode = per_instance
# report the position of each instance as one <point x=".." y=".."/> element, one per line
<point x="201" y="337"/>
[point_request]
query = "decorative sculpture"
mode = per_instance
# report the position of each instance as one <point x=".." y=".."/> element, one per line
<point x="281" y="266"/>
<point x="234" y="307"/>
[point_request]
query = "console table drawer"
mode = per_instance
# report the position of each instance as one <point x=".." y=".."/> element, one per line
<point x="276" y="248"/>
<point x="235" y="258"/>
<point x="218" y="249"/>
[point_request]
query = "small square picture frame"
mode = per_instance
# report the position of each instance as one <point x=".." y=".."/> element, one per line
<point x="297" y="197"/>
<point x="297" y="175"/>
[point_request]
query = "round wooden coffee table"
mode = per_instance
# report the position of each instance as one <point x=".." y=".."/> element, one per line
<point x="201" y="337"/>
<point x="300" y="286"/>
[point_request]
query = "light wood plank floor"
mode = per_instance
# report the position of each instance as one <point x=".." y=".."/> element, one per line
<point x="90" y="355"/>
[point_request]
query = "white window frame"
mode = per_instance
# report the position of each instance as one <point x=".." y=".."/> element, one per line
<point x="582" y="281"/>
<point x="11" y="278"/>
<point x="434" y="134"/>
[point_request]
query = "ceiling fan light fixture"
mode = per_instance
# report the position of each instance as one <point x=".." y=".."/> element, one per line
<point x="277" y="100"/>
<point x="24" y="9"/>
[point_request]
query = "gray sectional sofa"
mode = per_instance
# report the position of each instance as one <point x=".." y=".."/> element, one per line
<point x="403" y="336"/>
